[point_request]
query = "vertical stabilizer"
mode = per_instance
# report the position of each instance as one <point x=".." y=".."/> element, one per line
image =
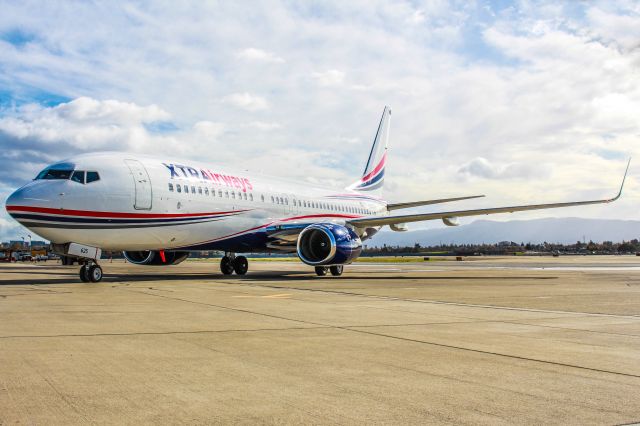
<point x="373" y="176"/>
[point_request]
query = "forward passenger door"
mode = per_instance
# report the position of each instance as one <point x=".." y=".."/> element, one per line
<point x="142" y="184"/>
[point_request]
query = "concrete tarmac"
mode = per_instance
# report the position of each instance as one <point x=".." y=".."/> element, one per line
<point x="489" y="341"/>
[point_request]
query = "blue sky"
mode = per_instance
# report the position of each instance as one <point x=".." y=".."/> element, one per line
<point x="521" y="101"/>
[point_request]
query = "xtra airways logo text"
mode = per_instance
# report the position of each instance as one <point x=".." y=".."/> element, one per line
<point x="179" y="171"/>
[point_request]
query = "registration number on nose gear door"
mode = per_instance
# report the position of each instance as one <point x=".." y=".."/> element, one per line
<point x="81" y="250"/>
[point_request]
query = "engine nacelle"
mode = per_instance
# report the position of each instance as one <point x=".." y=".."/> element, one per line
<point x="399" y="227"/>
<point x="328" y="244"/>
<point x="155" y="258"/>
<point x="451" y="221"/>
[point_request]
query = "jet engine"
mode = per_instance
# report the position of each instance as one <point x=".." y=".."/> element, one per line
<point x="328" y="244"/>
<point x="155" y="258"/>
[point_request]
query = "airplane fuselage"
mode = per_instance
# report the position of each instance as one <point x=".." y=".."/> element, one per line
<point x="146" y="203"/>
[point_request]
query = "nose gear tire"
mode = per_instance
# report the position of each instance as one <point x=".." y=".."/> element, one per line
<point x="84" y="274"/>
<point x="95" y="273"/>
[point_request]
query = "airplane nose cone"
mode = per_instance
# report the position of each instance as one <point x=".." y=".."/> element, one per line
<point x="14" y="202"/>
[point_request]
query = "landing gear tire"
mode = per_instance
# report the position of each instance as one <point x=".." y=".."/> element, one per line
<point x="226" y="265"/>
<point x="84" y="274"/>
<point x="321" y="271"/>
<point x="240" y="265"/>
<point x="95" y="273"/>
<point x="336" y="270"/>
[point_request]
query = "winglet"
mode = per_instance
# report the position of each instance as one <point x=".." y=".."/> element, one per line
<point x="623" y="179"/>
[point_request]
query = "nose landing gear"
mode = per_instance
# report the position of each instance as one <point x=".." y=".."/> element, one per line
<point x="231" y="263"/>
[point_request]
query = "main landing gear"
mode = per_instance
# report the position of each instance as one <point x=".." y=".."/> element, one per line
<point x="231" y="263"/>
<point x="90" y="272"/>
<point x="336" y="270"/>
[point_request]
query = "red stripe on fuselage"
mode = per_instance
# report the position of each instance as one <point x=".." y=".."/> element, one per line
<point x="88" y="213"/>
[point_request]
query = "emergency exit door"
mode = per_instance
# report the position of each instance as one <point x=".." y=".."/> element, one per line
<point x="142" y="185"/>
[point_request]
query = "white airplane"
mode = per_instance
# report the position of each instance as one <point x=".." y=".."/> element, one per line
<point x="157" y="210"/>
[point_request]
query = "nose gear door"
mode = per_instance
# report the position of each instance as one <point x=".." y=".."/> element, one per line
<point x="142" y="184"/>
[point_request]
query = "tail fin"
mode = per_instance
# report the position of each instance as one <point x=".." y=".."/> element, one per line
<point x="373" y="176"/>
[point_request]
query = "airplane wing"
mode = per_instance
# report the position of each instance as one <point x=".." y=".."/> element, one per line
<point x="397" y="206"/>
<point x="391" y="220"/>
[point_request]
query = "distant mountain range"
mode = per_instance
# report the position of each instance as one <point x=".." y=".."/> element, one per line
<point x="552" y="230"/>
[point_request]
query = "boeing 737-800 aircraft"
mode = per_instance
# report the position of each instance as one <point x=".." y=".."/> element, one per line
<point x="157" y="210"/>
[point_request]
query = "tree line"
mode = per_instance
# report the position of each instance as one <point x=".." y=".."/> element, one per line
<point x="509" y="247"/>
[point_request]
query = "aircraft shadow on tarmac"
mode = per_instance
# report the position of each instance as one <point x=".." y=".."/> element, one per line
<point x="64" y="275"/>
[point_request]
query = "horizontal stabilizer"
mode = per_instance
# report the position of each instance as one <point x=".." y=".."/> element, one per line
<point x="397" y="206"/>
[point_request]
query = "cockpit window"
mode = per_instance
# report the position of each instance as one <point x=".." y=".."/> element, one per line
<point x="92" y="177"/>
<point x="78" y="176"/>
<point x="54" y="174"/>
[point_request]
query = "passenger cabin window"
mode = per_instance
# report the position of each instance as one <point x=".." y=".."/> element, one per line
<point x="178" y="187"/>
<point x="171" y="187"/>
<point x="206" y="191"/>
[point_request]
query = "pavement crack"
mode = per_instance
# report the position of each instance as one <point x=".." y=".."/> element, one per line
<point x="442" y="345"/>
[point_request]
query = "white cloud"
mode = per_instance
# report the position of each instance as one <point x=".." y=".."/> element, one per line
<point x="32" y="136"/>
<point x="621" y="30"/>
<point x="331" y="77"/>
<point x="83" y="123"/>
<point x="549" y="87"/>
<point x="208" y="129"/>
<point x="481" y="167"/>
<point x="247" y="101"/>
<point x="265" y="126"/>
<point x="253" y="54"/>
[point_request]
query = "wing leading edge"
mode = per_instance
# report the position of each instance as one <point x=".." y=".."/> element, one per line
<point x="391" y="220"/>
<point x="397" y="206"/>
